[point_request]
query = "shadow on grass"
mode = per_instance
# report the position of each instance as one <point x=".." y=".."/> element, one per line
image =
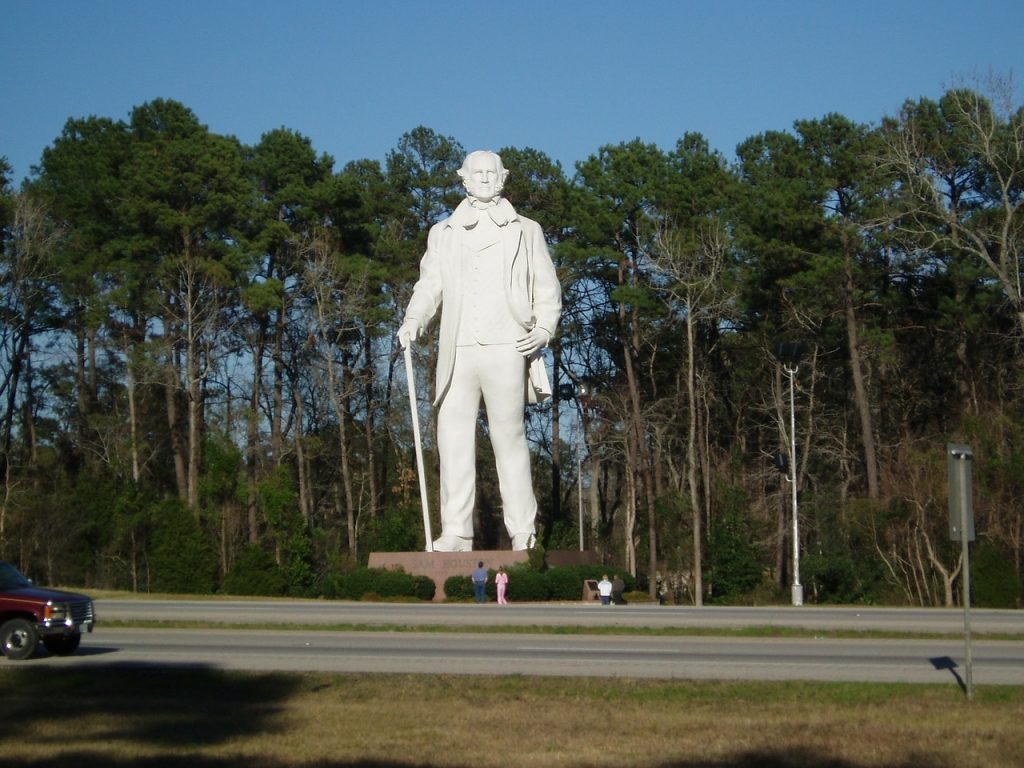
<point x="946" y="662"/>
<point x="747" y="760"/>
<point x="163" y="705"/>
<point x="186" y="709"/>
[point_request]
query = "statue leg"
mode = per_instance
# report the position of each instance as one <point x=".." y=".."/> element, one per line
<point x="456" y="444"/>
<point x="503" y="384"/>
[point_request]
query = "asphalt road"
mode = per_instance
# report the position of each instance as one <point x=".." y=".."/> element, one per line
<point x="627" y="655"/>
<point x="912" y="661"/>
<point x="322" y="612"/>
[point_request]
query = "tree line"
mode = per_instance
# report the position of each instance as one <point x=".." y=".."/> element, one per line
<point x="201" y="384"/>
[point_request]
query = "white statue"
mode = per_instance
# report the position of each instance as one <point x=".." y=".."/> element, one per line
<point x="488" y="270"/>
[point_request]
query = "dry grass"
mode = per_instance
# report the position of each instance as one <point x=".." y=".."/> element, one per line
<point x="119" y="717"/>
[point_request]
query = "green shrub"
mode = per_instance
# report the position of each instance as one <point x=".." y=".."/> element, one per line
<point x="527" y="585"/>
<point x="367" y="583"/>
<point x="255" y="572"/>
<point x="565" y="582"/>
<point x="842" y="566"/>
<point x="181" y="558"/>
<point x="388" y="583"/>
<point x="391" y="583"/>
<point x="331" y="585"/>
<point x="535" y="557"/>
<point x="287" y="532"/>
<point x="458" y="588"/>
<point x="356" y="583"/>
<point x="424" y="587"/>
<point x="994" y="582"/>
<point x="734" y="562"/>
<point x="395" y="530"/>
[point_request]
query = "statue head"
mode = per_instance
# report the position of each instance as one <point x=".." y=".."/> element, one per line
<point x="483" y="175"/>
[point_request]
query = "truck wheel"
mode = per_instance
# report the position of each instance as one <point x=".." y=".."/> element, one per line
<point x="18" y="639"/>
<point x="62" y="645"/>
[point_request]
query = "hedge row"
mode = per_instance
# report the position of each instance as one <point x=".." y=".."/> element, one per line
<point x="373" y="583"/>
<point x="526" y="584"/>
<point x="257" y="573"/>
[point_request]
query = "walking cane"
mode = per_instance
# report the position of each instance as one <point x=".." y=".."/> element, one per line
<point x="419" y="446"/>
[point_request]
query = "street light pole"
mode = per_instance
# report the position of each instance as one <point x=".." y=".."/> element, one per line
<point x="788" y="353"/>
<point x="798" y="590"/>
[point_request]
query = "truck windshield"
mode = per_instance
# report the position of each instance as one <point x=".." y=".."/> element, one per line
<point x="11" y="578"/>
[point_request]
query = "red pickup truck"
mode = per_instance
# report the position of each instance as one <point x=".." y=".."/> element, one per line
<point x="30" y="614"/>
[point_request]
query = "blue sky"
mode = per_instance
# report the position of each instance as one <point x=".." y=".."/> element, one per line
<point x="562" y="76"/>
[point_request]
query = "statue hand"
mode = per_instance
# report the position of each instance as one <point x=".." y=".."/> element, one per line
<point x="535" y="339"/>
<point x="409" y="331"/>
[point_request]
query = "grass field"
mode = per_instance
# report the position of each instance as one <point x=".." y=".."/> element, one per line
<point x="119" y="716"/>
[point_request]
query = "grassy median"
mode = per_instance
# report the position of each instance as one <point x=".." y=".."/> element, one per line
<point x="121" y="716"/>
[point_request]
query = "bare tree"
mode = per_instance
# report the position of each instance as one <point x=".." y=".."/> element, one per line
<point x="908" y="545"/>
<point x="693" y="264"/>
<point x="960" y="171"/>
<point x="193" y="309"/>
<point x="335" y="308"/>
<point x="26" y="266"/>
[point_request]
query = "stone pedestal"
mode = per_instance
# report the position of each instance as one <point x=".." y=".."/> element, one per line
<point x="439" y="566"/>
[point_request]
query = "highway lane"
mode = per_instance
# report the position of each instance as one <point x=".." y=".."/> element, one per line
<point x="725" y="658"/>
<point x="315" y="648"/>
<point x="323" y="612"/>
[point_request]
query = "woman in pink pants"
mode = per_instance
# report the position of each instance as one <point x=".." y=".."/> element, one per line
<point x="501" y="581"/>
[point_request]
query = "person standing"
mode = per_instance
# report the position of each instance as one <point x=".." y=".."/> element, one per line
<point x="604" y="590"/>
<point x="489" y="272"/>
<point x="480" y="583"/>
<point x="501" y="584"/>
<point x="618" y="588"/>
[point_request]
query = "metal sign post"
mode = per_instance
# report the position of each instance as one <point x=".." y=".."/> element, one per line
<point x="961" y="528"/>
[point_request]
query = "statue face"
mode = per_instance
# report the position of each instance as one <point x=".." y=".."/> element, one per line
<point x="482" y="178"/>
